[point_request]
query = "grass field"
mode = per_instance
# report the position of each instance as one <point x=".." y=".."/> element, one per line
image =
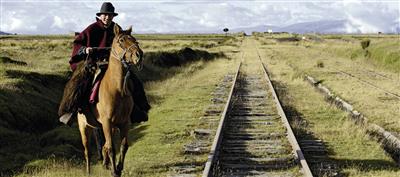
<point x="362" y="81"/>
<point x="354" y="153"/>
<point x="34" y="69"/>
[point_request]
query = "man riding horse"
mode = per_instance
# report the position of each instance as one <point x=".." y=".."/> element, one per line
<point x="91" y="46"/>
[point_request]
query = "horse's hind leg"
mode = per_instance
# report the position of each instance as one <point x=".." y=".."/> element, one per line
<point x="124" y="146"/>
<point x="85" y="134"/>
<point x="108" y="148"/>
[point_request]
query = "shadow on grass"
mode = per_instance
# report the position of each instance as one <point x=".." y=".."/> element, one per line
<point x="367" y="165"/>
<point x="6" y="60"/>
<point x="165" y="64"/>
<point x="30" y="105"/>
<point x="319" y="161"/>
<point x="29" y="127"/>
<point x="136" y="132"/>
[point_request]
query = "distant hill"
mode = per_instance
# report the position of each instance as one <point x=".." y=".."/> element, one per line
<point x="336" y="26"/>
<point x="396" y="27"/>
<point x="326" y="26"/>
<point x="4" y="33"/>
<point x="260" y="28"/>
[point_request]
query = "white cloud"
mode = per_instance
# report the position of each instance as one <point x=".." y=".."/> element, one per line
<point x="42" y="17"/>
<point x="15" y="23"/>
<point x="367" y="17"/>
<point x="58" y="22"/>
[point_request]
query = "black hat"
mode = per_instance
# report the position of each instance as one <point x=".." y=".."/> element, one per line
<point x="107" y="8"/>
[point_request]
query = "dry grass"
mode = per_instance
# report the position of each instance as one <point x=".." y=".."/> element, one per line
<point x="337" y="74"/>
<point x="157" y="145"/>
<point x="348" y="145"/>
<point x="178" y="98"/>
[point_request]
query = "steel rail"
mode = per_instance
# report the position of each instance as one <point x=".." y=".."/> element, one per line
<point x="291" y="137"/>
<point x="218" y="136"/>
<point x="214" y="152"/>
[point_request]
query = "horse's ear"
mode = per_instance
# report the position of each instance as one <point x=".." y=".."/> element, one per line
<point x="129" y="30"/>
<point x="117" y="29"/>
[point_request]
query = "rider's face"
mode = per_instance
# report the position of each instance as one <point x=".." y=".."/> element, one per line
<point x="106" y="19"/>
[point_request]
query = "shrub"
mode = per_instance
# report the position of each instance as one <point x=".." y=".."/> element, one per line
<point x="180" y="57"/>
<point x="365" y="43"/>
<point x="320" y="64"/>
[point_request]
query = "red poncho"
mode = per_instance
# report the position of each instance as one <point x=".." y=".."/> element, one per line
<point x="95" y="35"/>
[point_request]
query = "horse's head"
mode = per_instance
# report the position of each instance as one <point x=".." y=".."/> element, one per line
<point x="126" y="48"/>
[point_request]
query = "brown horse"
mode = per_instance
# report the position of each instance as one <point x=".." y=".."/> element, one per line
<point x="115" y="101"/>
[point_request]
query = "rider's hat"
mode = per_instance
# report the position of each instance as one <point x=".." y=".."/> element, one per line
<point x="107" y="8"/>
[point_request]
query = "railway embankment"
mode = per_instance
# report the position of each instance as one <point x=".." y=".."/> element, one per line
<point x="389" y="142"/>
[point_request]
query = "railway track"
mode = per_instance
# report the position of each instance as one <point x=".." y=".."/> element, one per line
<point x="254" y="137"/>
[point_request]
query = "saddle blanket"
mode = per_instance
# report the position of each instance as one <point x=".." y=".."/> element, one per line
<point x="94" y="93"/>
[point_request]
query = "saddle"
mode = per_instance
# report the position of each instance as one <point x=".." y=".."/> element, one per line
<point x="101" y="69"/>
<point x="82" y="91"/>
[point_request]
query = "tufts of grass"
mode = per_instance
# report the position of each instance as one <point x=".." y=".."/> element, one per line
<point x="180" y="57"/>
<point x="30" y="93"/>
<point x="365" y="43"/>
<point x="386" y="54"/>
<point x="320" y="64"/>
<point x="350" y="150"/>
<point x="157" y="146"/>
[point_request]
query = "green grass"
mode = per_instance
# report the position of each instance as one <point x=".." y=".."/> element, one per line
<point x="386" y="54"/>
<point x="157" y="145"/>
<point x="336" y="57"/>
<point x="30" y="93"/>
<point x="348" y="145"/>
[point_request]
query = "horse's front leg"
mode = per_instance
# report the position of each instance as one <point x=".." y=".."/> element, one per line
<point x="85" y="132"/>
<point x="108" y="148"/>
<point x="99" y="137"/>
<point x="124" y="146"/>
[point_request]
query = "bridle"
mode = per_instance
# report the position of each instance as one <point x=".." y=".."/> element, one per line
<point x="126" y="64"/>
<point x="122" y="57"/>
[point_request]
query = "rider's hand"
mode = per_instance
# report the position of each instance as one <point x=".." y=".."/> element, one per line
<point x="88" y="50"/>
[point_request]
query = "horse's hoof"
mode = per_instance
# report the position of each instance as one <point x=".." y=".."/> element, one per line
<point x="116" y="174"/>
<point x="120" y="167"/>
<point x="106" y="167"/>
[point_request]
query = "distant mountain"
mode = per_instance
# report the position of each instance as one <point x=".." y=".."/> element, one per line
<point x="396" y="27"/>
<point x="4" y="33"/>
<point x="249" y="30"/>
<point x="333" y="26"/>
<point x="326" y="26"/>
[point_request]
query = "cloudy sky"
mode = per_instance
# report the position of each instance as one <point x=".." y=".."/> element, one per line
<point x="66" y="16"/>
